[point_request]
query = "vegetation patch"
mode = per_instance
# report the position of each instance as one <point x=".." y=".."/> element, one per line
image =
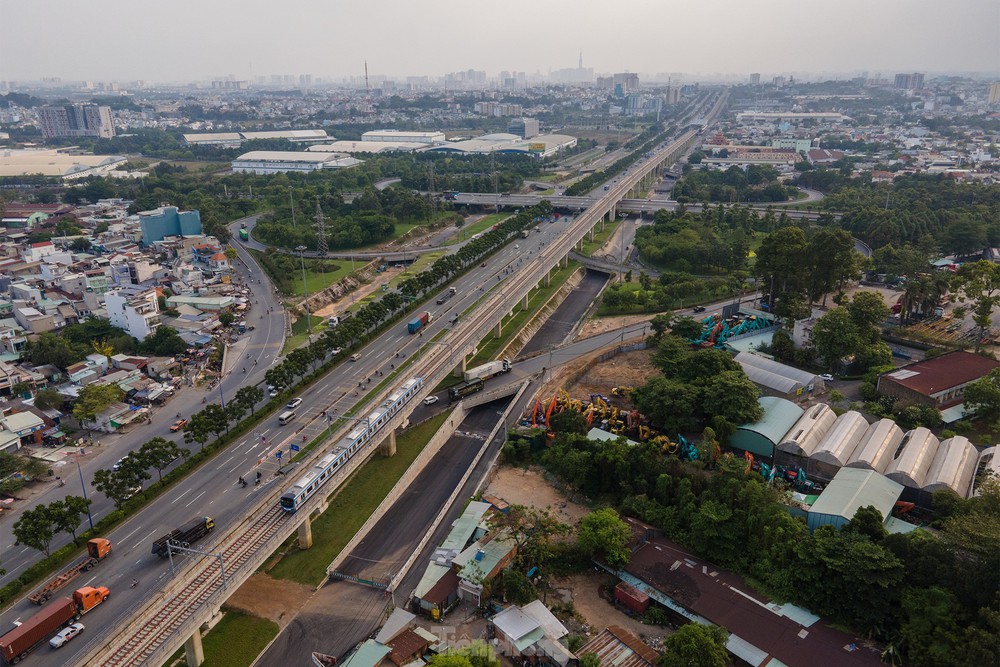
<point x="237" y="640"/>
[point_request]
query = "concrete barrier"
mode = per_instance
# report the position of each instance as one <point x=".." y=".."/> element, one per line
<point x="431" y="449"/>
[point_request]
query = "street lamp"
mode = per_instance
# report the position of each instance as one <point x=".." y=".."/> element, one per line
<point x="305" y="290"/>
<point x="83" y="485"/>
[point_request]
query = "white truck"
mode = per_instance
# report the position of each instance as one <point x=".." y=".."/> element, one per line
<point x="486" y="371"/>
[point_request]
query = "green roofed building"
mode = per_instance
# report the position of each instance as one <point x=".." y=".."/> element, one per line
<point x="850" y="490"/>
<point x="761" y="438"/>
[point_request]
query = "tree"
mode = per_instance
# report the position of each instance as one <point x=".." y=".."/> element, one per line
<point x="93" y="400"/>
<point x="568" y="422"/>
<point x="696" y="645"/>
<point x="532" y="531"/>
<point x="120" y="485"/>
<point x="225" y="319"/>
<point x="868" y="521"/>
<point x="163" y="342"/>
<point x="836" y="336"/>
<point x="590" y="659"/>
<point x="517" y="588"/>
<point x="48" y="399"/>
<point x="67" y="513"/>
<point x="983" y="397"/>
<point x="216" y="419"/>
<point x="48" y="348"/>
<point x="603" y="534"/>
<point x="979" y="283"/>
<point x="733" y="396"/>
<point x="158" y="453"/>
<point x="868" y="311"/>
<point x="197" y="430"/>
<point x="249" y="396"/>
<point x="35" y="528"/>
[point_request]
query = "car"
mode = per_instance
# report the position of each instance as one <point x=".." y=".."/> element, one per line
<point x="273" y="393"/>
<point x="826" y="377"/>
<point x="64" y="635"/>
<point x="516" y="247"/>
<point x="270" y="387"/>
<point x="337" y="350"/>
<point x="355" y="356"/>
<point x="699" y="309"/>
<point x="294" y="403"/>
<point x="430" y="400"/>
<point x="178" y="425"/>
<point x="119" y="463"/>
<point x="483" y="265"/>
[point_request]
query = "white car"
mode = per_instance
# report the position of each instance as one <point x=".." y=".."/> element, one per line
<point x="294" y="403"/>
<point x="273" y="393"/>
<point x="430" y="400"/>
<point x="119" y="463"/>
<point x="826" y="377"/>
<point x="66" y="634"/>
<point x="337" y="350"/>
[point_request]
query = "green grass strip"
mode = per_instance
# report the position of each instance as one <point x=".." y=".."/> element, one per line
<point x="237" y="640"/>
<point x="352" y="506"/>
<point x="600" y="238"/>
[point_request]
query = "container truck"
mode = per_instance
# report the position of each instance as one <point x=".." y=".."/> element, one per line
<point x="97" y="549"/>
<point x="16" y="644"/>
<point x="464" y="389"/>
<point x="192" y="531"/>
<point x="486" y="371"/>
<point x="419" y="322"/>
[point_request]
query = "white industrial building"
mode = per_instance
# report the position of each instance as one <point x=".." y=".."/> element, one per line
<point x="912" y="458"/>
<point x="56" y="163"/>
<point x="808" y="431"/>
<point x="373" y="147"/>
<point x="877" y="446"/>
<point x="839" y="443"/>
<point x="404" y="136"/>
<point x="953" y="466"/>
<point x="236" y="139"/>
<point x="275" y="162"/>
<point x="542" y="145"/>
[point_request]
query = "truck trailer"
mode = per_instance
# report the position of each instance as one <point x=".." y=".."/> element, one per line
<point x="192" y="531"/>
<point x="16" y="644"/>
<point x="419" y="322"/>
<point x="486" y="371"/>
<point x="97" y="549"/>
<point x="447" y="295"/>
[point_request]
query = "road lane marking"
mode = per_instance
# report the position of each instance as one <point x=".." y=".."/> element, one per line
<point x="121" y="540"/>
<point x="179" y="497"/>
<point x="197" y="497"/>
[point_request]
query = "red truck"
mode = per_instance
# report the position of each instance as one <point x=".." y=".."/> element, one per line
<point x="97" y="550"/>
<point x="16" y="644"/>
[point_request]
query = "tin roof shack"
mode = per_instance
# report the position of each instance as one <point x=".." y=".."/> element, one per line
<point x="850" y="490"/>
<point x="531" y="631"/>
<point x="617" y="647"/>
<point x="939" y="382"/>
<point x="761" y="630"/>
<point x="481" y="562"/>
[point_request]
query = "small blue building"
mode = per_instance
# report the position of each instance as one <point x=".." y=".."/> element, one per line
<point x="168" y="221"/>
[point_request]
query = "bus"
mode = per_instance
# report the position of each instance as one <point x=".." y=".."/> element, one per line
<point x="449" y="195"/>
<point x="286" y="417"/>
<point x="464" y="389"/>
<point x="244" y="235"/>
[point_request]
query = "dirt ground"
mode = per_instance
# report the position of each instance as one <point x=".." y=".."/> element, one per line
<point x="346" y="301"/>
<point x="601" y="325"/>
<point x="631" y="369"/>
<point x="269" y="598"/>
<point x="528" y="487"/>
<point x="583" y="590"/>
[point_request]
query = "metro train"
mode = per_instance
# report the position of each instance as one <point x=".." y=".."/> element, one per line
<point x="348" y="446"/>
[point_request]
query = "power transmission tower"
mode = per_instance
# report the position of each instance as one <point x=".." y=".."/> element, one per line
<point x="320" y="228"/>
<point x="430" y="178"/>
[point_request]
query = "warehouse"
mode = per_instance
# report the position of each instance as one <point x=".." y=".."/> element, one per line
<point x="761" y="438"/>
<point x="776" y="376"/>
<point x="541" y="146"/>
<point x="404" y="136"/>
<point x="802" y="440"/>
<point x="938" y="382"/>
<point x="56" y="163"/>
<point x="374" y="147"/>
<point x="912" y="458"/>
<point x="839" y="443"/>
<point x="953" y="467"/>
<point x="987" y="466"/>
<point x="276" y="162"/>
<point x="877" y="446"/>
<point x="236" y="139"/>
<point x="850" y="490"/>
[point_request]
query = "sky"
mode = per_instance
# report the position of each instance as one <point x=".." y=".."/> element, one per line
<point x="195" y="40"/>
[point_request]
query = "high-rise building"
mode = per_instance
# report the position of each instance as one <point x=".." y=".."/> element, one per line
<point x="76" y="120"/>
<point x="917" y="80"/>
<point x="524" y="127"/>
<point x="995" y="93"/>
<point x="755" y="79"/>
<point x="902" y="82"/>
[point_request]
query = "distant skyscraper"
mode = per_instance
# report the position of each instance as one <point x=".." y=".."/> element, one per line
<point x="902" y="82"/>
<point x="76" y="120"/>
<point x="995" y="93"/>
<point x="917" y="80"/>
<point x="755" y="79"/>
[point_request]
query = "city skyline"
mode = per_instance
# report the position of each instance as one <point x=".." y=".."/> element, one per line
<point x="189" y="41"/>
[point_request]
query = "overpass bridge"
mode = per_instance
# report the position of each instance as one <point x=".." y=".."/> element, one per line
<point x="172" y="618"/>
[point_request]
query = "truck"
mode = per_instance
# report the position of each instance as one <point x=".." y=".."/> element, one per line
<point x="524" y="233"/>
<point x="465" y="388"/>
<point x="244" y="235"/>
<point x="16" y="644"/>
<point x="192" y="531"/>
<point x="97" y="550"/>
<point x="418" y="322"/>
<point x="447" y="295"/>
<point x="486" y="371"/>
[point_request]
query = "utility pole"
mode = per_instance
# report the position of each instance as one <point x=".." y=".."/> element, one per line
<point x="291" y="202"/>
<point x="320" y="226"/>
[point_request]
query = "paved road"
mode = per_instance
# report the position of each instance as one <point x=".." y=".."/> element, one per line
<point x="567" y="315"/>
<point x="343" y="613"/>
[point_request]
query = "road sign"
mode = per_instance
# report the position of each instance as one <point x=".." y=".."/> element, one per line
<point x="294" y="448"/>
<point x="277" y="454"/>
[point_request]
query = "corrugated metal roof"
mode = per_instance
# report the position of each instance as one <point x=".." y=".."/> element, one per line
<point x="854" y="488"/>
<point x="953" y="466"/>
<point x="774" y="374"/>
<point x="935" y="375"/>
<point x="617" y="647"/>
<point x="912" y="458"/>
<point x="779" y="416"/>
<point x="514" y="623"/>
<point x="877" y="446"/>
<point x="839" y="443"/>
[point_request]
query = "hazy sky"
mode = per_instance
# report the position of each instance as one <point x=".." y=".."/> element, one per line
<point x="199" y="39"/>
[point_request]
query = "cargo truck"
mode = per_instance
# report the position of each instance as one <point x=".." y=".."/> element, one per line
<point x="16" y="644"/>
<point x="97" y="549"/>
<point x="190" y="532"/>
<point x="464" y="389"/>
<point x="447" y="295"/>
<point x="419" y="322"/>
<point x="486" y="371"/>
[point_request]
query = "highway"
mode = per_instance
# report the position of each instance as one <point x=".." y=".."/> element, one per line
<point x="263" y="344"/>
<point x="494" y="289"/>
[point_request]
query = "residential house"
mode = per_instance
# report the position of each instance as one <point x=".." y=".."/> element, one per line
<point x="531" y="632"/>
<point x="27" y="426"/>
<point x="137" y="311"/>
<point x="617" y="647"/>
